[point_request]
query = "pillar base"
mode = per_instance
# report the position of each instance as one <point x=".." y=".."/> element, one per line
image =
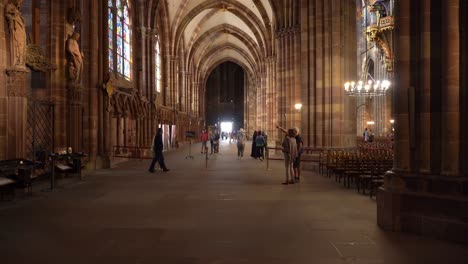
<point x="427" y="205"/>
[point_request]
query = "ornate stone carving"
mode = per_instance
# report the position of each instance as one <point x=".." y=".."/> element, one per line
<point x="371" y="33"/>
<point x="37" y="60"/>
<point x="75" y="58"/>
<point x="17" y="30"/>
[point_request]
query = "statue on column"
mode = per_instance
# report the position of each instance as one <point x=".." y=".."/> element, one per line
<point x="17" y="29"/>
<point x="75" y="58"/>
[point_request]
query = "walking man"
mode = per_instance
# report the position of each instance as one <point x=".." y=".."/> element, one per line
<point x="157" y="152"/>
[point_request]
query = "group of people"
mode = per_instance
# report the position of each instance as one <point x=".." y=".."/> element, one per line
<point x="368" y="135"/>
<point x="213" y="137"/>
<point x="292" y="148"/>
<point x="259" y="144"/>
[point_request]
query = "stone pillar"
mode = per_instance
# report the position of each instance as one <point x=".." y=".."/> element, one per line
<point x="75" y="116"/>
<point x="327" y="31"/>
<point x="426" y="192"/>
<point x="17" y="112"/>
<point x="13" y="95"/>
<point x="271" y="100"/>
<point x="171" y="91"/>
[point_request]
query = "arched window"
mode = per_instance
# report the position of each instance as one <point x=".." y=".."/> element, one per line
<point x="157" y="64"/>
<point x="119" y="28"/>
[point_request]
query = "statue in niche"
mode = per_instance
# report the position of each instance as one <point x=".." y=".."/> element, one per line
<point x="17" y="29"/>
<point x="75" y="58"/>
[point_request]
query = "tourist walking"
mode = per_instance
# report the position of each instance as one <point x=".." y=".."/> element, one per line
<point x="240" y="143"/>
<point x="157" y="152"/>
<point x="204" y="139"/>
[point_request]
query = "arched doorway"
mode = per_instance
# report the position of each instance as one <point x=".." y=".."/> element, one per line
<point x="225" y="95"/>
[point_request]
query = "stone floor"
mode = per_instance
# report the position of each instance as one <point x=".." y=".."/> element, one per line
<point x="235" y="211"/>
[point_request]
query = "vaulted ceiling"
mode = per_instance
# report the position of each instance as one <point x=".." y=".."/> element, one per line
<point x="208" y="32"/>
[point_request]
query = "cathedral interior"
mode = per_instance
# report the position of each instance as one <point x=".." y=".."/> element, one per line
<point x="99" y="78"/>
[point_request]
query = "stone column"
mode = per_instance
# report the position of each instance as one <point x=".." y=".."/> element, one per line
<point x="17" y="109"/>
<point x="75" y="116"/>
<point x="426" y="191"/>
<point x="271" y="100"/>
<point x="13" y="95"/>
<point x="171" y="91"/>
<point x="327" y="30"/>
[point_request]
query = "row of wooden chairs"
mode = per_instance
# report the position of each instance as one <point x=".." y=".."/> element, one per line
<point x="362" y="168"/>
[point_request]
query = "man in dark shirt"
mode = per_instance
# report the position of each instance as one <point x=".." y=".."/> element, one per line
<point x="157" y="151"/>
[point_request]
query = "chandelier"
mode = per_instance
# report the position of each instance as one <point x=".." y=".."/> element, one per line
<point x="369" y="88"/>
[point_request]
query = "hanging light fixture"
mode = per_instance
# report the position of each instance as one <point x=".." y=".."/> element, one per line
<point x="369" y="87"/>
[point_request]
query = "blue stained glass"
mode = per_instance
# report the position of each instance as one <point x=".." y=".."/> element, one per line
<point x="111" y="40"/>
<point x="111" y="60"/>
<point x="110" y="20"/>
<point x="117" y="3"/>
<point x="119" y="28"/>
<point x="119" y="45"/>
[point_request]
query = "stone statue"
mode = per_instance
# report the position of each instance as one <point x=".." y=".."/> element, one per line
<point x="17" y="29"/>
<point x="75" y="58"/>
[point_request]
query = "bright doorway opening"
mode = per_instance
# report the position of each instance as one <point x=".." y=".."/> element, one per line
<point x="226" y="127"/>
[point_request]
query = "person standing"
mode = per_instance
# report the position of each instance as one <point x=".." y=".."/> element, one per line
<point x="297" y="160"/>
<point x="204" y="139"/>
<point x="216" y="139"/>
<point x="289" y="148"/>
<point x="240" y="143"/>
<point x="299" y="146"/>
<point x="253" y="154"/>
<point x="157" y="151"/>
<point x="260" y="144"/>
<point x="365" y="134"/>
<point x="211" y="141"/>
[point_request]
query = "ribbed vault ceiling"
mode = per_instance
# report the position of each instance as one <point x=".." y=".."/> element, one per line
<point x="210" y="32"/>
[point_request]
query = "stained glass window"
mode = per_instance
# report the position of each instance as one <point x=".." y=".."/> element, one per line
<point x="120" y="32"/>
<point x="157" y="64"/>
